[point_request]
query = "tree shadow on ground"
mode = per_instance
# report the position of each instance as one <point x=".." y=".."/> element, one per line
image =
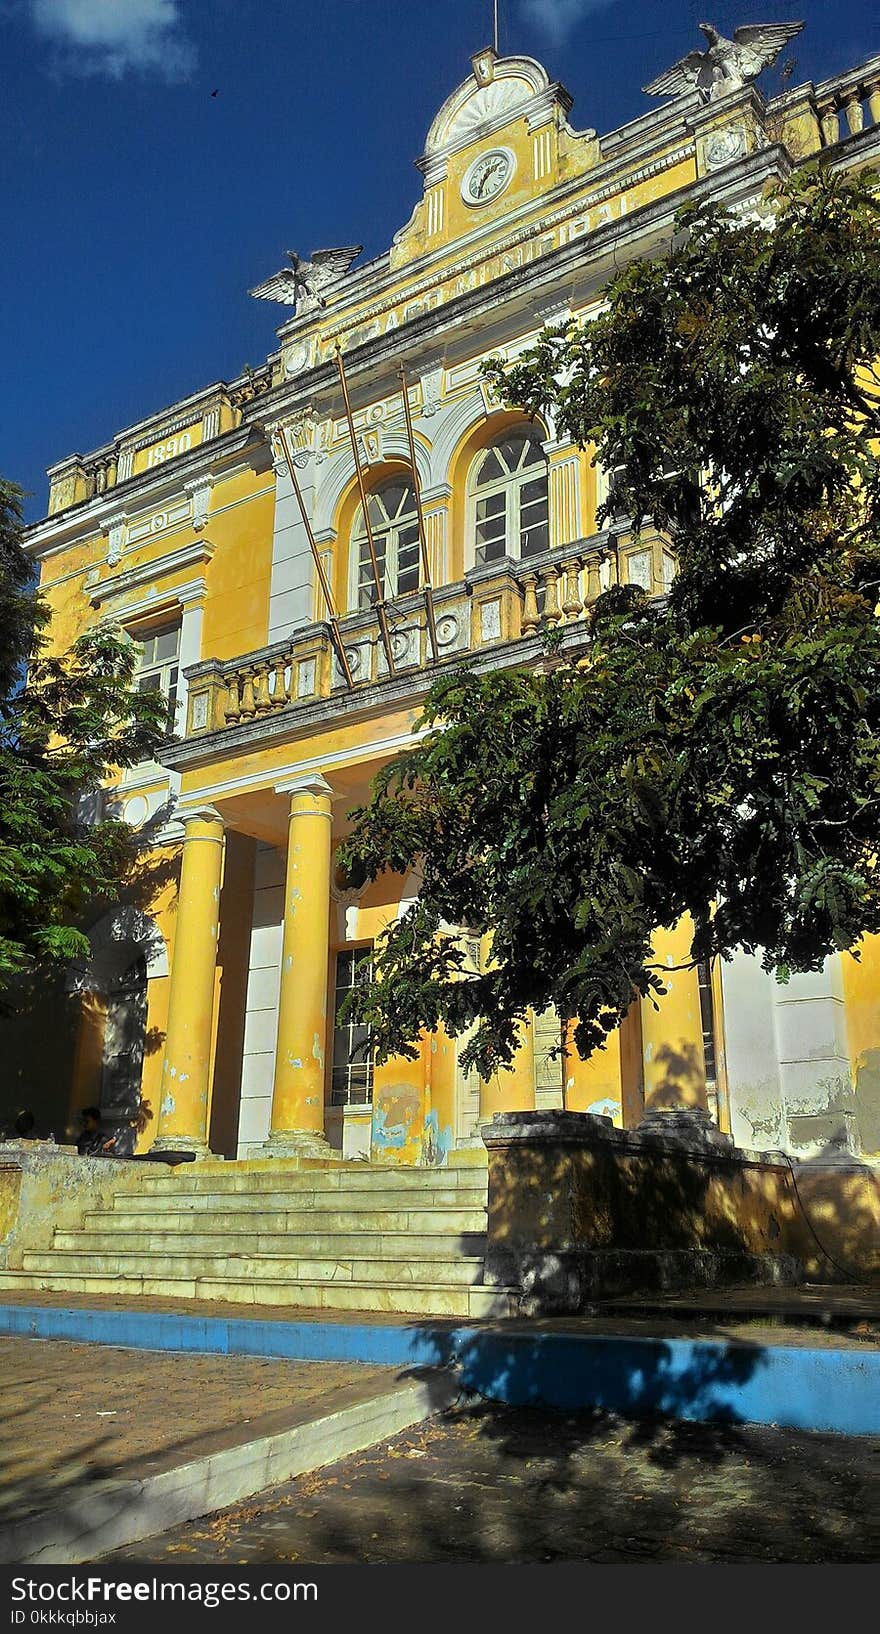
<point x="486" y="1484"/>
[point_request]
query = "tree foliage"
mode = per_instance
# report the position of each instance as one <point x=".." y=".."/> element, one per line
<point x="715" y="751"/>
<point x="67" y="722"/>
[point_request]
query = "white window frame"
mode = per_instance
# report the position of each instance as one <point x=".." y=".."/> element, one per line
<point x="351" y="1082"/>
<point x="391" y="534"/>
<point x="511" y="485"/>
<point x="166" y="670"/>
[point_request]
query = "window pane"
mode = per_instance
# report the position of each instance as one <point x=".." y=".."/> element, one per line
<point x="408" y="560"/>
<point x="490" y="470"/>
<point x="167" y="644"/>
<point x="534" y="539"/>
<point x="491" y="528"/>
<point x="366" y="577"/>
<point x="533" y="517"/>
<point x="397" y="498"/>
<point x="533" y="492"/>
<point x="492" y="507"/>
<point x="511" y="449"/>
<point x="351" y="1080"/>
<point x="533" y="453"/>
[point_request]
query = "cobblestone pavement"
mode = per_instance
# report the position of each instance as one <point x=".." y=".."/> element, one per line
<point x="497" y="1485"/>
<point x="70" y="1413"/>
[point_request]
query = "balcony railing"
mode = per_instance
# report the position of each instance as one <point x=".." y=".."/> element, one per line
<point x="849" y="103"/>
<point x="500" y="602"/>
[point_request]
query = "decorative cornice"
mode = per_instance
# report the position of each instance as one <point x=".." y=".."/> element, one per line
<point x="219" y="457"/>
<point x="619" y="239"/>
<point x="158" y="567"/>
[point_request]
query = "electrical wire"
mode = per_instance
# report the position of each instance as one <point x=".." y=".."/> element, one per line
<point x="860" y="1280"/>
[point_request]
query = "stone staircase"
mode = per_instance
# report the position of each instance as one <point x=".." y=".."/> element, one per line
<point x="358" y="1237"/>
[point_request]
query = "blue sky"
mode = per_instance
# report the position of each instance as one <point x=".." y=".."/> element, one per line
<point x="139" y="208"/>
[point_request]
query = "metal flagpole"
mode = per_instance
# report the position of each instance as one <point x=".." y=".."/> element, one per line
<point x="423" y="538"/>
<point x="496" y="26"/>
<point x="380" y="596"/>
<point x="326" y="592"/>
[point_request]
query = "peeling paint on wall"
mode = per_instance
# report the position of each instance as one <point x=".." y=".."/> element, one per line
<point x="437" y="1143"/>
<point x="867" y="1100"/>
<point x="397" y="1123"/>
<point x="605" y="1108"/>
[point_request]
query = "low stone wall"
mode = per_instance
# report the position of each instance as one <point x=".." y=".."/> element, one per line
<point x="579" y="1209"/>
<point x="44" y="1186"/>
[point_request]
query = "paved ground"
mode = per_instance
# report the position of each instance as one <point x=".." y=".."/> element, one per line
<point x="492" y="1485"/>
<point x="71" y="1413"/>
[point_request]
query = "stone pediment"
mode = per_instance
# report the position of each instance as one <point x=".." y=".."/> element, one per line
<point x="500" y="87"/>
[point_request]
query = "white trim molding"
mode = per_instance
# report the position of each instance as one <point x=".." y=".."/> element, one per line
<point x="145" y="572"/>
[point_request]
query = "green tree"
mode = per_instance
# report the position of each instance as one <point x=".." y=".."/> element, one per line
<point x="712" y="752"/>
<point x="67" y="722"/>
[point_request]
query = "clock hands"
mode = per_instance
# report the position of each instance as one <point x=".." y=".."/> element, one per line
<point x="490" y="171"/>
<point x="492" y="168"/>
<point x="487" y="176"/>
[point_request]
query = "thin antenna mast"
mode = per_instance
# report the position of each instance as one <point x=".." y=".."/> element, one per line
<point x="496" y="27"/>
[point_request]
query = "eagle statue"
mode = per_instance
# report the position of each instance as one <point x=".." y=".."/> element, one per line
<point x="303" y="284"/>
<point x="728" y="65"/>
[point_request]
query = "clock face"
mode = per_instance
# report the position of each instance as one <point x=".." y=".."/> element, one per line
<point x="487" y="176"/>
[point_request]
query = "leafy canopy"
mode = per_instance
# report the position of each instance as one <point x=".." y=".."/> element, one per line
<point x="67" y="722"/>
<point x="715" y="752"/>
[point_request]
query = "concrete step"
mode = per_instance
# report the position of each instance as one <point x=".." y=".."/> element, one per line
<point x="427" y="1299"/>
<point x="356" y="1203"/>
<point x="454" y="1269"/>
<point x="443" y="1222"/>
<point x="357" y="1178"/>
<point x="296" y="1244"/>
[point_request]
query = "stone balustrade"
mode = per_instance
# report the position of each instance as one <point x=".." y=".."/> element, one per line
<point x="500" y="602"/>
<point x="848" y="105"/>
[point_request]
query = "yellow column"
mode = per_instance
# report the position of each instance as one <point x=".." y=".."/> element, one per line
<point x="183" y="1108"/>
<point x="672" y="1036"/>
<point x="297" y="1127"/>
<point x="594" y="1084"/>
<point x="512" y="1089"/>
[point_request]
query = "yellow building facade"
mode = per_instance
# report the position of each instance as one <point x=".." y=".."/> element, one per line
<point x="212" y="991"/>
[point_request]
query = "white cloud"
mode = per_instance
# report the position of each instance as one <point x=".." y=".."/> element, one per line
<point x="112" y="36"/>
<point x="557" y="18"/>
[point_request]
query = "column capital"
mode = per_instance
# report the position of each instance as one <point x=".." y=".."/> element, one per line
<point x="436" y="493"/>
<point x="200" y="814"/>
<point x="309" y="783"/>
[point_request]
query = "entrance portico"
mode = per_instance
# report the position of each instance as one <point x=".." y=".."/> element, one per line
<point x="264" y="926"/>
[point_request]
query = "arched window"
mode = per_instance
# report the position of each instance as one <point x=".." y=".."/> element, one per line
<point x="394" y="521"/>
<point x="508" y="487"/>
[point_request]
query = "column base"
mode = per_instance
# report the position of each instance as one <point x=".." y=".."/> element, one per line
<point x="686" y="1126"/>
<point x="182" y="1143"/>
<point x="302" y="1143"/>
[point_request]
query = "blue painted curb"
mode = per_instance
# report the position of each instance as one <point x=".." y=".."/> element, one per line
<point x="701" y="1380"/>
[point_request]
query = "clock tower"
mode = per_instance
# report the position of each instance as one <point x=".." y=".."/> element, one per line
<point x="500" y="143"/>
